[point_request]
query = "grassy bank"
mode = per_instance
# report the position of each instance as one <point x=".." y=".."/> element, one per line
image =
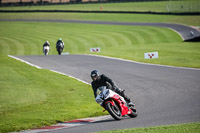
<point x="186" y="19"/>
<point x="180" y="128"/>
<point x="31" y="97"/>
<point x="128" y="42"/>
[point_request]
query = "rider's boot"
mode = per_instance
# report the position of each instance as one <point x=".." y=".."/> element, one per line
<point x="131" y="104"/>
<point x="127" y="99"/>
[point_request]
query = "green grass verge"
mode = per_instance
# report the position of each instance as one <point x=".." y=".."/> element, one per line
<point x="161" y="6"/>
<point x="180" y="128"/>
<point x="179" y="19"/>
<point x="128" y="42"/>
<point x="31" y="97"/>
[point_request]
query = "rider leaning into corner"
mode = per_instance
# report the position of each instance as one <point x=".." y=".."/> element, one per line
<point x="103" y="80"/>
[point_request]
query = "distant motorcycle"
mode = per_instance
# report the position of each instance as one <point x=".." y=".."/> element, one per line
<point x="46" y="50"/>
<point x="114" y="104"/>
<point x="60" y="47"/>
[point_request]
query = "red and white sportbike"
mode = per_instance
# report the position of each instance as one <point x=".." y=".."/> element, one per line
<point x="114" y="104"/>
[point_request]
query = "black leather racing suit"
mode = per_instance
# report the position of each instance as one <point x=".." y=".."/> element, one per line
<point x="46" y="44"/>
<point x="103" y="80"/>
<point x="58" y="44"/>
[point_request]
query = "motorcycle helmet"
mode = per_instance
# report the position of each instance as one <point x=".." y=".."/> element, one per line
<point x="60" y="39"/>
<point x="94" y="75"/>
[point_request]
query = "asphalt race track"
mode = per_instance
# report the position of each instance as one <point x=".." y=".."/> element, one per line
<point x="163" y="95"/>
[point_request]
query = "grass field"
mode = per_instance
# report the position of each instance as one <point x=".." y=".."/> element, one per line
<point x="181" y="128"/>
<point x="160" y="6"/>
<point x="179" y="19"/>
<point x="32" y="98"/>
<point x="129" y="42"/>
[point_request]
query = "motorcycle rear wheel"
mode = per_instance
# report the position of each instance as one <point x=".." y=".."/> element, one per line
<point x="45" y="52"/>
<point x="59" y="51"/>
<point x="114" y="111"/>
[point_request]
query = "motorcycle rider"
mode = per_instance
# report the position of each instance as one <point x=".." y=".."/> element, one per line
<point x="46" y="44"/>
<point x="103" y="80"/>
<point x="60" y="41"/>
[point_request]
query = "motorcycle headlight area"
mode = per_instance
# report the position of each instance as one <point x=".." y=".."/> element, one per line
<point x="106" y="93"/>
<point x="99" y="100"/>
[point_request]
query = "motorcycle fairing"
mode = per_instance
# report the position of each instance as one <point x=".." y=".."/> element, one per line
<point x="121" y="102"/>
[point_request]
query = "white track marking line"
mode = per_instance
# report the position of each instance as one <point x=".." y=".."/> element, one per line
<point x="24" y="61"/>
<point x="49" y="69"/>
<point x="70" y="76"/>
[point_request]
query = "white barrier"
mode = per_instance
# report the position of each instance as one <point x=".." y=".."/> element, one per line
<point x="66" y="53"/>
<point x="151" y="55"/>
<point x="95" y="50"/>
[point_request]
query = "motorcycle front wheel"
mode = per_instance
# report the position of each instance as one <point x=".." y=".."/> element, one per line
<point x="114" y="111"/>
<point x="134" y="112"/>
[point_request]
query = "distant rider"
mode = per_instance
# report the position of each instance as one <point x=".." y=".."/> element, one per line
<point x="46" y="44"/>
<point x="46" y="47"/>
<point x="60" y="43"/>
<point x="103" y="80"/>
